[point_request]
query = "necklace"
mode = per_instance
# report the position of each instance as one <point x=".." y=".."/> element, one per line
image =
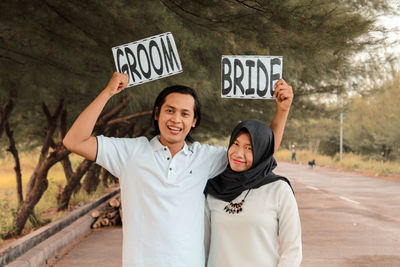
<point x="235" y="207"/>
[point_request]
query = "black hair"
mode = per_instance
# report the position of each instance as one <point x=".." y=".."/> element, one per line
<point x="161" y="99"/>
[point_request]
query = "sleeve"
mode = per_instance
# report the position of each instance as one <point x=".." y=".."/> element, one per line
<point x="289" y="228"/>
<point x="207" y="230"/>
<point x="114" y="153"/>
<point x="218" y="159"/>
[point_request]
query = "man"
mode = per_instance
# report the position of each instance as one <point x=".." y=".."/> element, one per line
<point x="162" y="180"/>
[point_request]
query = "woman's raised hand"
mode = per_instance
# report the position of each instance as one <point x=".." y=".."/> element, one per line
<point x="283" y="95"/>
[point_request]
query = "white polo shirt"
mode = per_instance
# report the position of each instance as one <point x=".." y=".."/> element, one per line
<point x="162" y="198"/>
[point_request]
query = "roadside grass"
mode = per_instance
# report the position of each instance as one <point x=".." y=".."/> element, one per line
<point x="46" y="209"/>
<point x="350" y="162"/>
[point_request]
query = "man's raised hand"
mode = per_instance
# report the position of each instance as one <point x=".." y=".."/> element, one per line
<point x="117" y="83"/>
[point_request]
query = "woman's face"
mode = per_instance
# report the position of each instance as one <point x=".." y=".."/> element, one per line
<point x="240" y="153"/>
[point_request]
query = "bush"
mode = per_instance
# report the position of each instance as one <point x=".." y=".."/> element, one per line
<point x="350" y="162"/>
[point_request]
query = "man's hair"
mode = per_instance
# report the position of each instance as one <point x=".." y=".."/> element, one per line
<point x="161" y="99"/>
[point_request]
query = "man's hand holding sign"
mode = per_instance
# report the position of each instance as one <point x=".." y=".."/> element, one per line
<point x="118" y="82"/>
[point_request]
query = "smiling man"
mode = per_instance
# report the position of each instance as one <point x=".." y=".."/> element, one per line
<point x="162" y="179"/>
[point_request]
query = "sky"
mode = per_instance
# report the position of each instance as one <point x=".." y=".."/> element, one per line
<point x="393" y="24"/>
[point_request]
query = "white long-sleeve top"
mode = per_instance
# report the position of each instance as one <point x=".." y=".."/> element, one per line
<point x="266" y="233"/>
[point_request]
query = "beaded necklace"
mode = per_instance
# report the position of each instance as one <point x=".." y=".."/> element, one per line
<point x="233" y="208"/>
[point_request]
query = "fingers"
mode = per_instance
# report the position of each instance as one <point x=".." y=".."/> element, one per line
<point x="123" y="79"/>
<point x="282" y="91"/>
<point x="118" y="82"/>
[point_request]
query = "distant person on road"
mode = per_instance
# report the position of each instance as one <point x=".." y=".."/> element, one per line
<point x="252" y="217"/>
<point x="162" y="180"/>
<point x="311" y="163"/>
<point x="293" y="153"/>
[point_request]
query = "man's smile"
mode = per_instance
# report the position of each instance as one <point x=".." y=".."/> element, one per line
<point x="174" y="129"/>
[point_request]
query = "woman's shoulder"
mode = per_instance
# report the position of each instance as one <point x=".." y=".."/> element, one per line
<point x="275" y="189"/>
<point x="279" y="184"/>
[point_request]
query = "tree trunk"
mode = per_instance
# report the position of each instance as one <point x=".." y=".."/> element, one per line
<point x="13" y="150"/>
<point x="5" y="113"/>
<point x="38" y="188"/>
<point x="104" y="174"/>
<point x="66" y="163"/>
<point x="64" y="197"/>
<point x="317" y="146"/>
<point x="92" y="179"/>
<point x="48" y="141"/>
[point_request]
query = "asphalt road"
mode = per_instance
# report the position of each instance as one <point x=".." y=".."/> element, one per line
<point x="347" y="220"/>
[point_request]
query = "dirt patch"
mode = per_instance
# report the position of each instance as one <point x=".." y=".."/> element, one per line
<point x="375" y="260"/>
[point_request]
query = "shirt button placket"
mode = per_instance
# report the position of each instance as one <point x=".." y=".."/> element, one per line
<point x="167" y="154"/>
<point x="171" y="168"/>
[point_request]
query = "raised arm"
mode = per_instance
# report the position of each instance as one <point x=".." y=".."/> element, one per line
<point x="284" y="97"/>
<point x="78" y="139"/>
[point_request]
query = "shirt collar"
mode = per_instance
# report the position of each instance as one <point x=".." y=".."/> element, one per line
<point x="156" y="144"/>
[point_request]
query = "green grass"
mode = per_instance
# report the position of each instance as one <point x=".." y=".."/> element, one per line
<point x="350" y="162"/>
<point x="45" y="210"/>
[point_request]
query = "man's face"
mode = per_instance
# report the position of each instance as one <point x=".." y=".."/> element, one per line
<point x="176" y="118"/>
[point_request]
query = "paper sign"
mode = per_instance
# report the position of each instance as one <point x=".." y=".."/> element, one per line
<point x="250" y="76"/>
<point x="148" y="59"/>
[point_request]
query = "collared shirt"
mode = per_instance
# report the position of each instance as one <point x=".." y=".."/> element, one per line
<point x="162" y="198"/>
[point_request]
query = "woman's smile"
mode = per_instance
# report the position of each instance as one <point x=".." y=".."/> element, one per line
<point x="238" y="162"/>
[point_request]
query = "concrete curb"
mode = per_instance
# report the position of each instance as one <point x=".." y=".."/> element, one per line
<point x="52" y="237"/>
<point x="51" y="248"/>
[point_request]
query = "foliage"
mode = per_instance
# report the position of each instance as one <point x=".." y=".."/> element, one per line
<point x="45" y="210"/>
<point x="53" y="51"/>
<point x="318" y="133"/>
<point x="372" y="123"/>
<point x="7" y="211"/>
<point x="69" y="45"/>
<point x="350" y="162"/>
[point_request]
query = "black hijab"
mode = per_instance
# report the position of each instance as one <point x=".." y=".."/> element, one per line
<point x="230" y="184"/>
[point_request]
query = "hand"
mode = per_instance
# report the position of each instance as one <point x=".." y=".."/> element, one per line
<point x="284" y="95"/>
<point x="117" y="83"/>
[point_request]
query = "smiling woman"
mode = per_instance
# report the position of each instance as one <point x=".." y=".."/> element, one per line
<point x="240" y="153"/>
<point x="249" y="208"/>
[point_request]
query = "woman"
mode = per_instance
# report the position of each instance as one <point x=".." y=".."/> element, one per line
<point x="252" y="212"/>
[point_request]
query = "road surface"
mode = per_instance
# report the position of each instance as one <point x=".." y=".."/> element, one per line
<point x="347" y="220"/>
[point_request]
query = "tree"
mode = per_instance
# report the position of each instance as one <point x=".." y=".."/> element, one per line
<point x="372" y="122"/>
<point x="55" y="55"/>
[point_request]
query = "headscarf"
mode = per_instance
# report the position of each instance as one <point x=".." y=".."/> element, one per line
<point x="230" y="184"/>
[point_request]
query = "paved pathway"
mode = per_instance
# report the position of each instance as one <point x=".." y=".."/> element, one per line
<point x="347" y="220"/>
<point x="103" y="247"/>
